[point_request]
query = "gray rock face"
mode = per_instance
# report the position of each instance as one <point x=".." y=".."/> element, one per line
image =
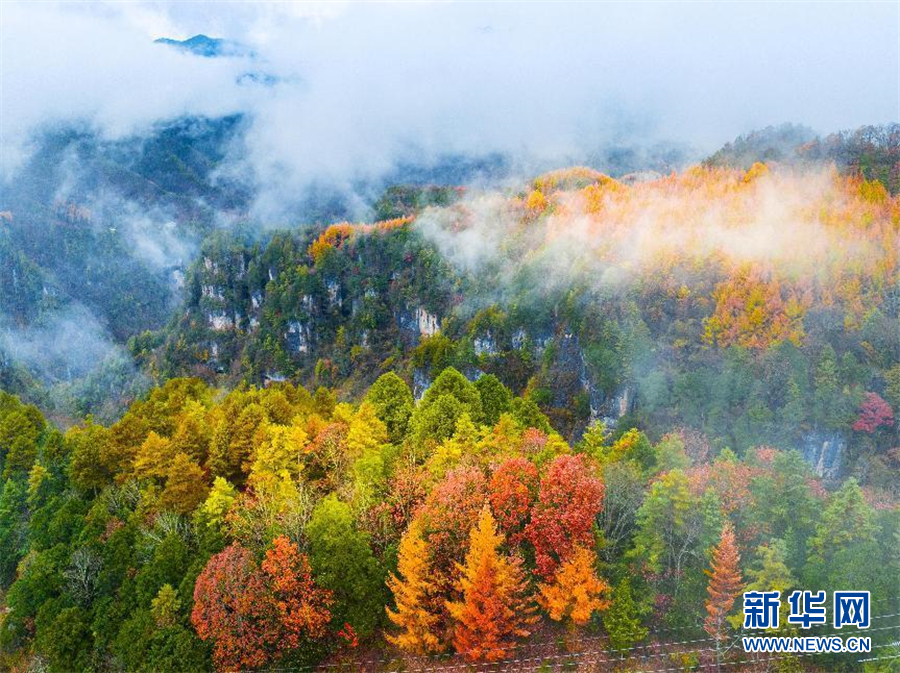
<point x="612" y="407"/>
<point x="824" y="451"/>
<point x="298" y="337"/>
<point x="420" y="383"/>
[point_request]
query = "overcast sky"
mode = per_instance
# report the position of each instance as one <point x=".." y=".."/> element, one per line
<point x="361" y="84"/>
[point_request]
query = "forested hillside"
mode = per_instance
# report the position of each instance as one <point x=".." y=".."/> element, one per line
<point x="594" y="409"/>
<point x="273" y="528"/>
<point x="756" y="307"/>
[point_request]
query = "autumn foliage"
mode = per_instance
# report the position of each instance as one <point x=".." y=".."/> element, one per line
<point x="576" y="592"/>
<point x="512" y="491"/>
<point x="336" y="235"/>
<point x="253" y="614"/>
<point x="227" y="610"/>
<point x="724" y="583"/>
<point x="416" y="595"/>
<point x="563" y="518"/>
<point x="494" y="608"/>
<point x="874" y="413"/>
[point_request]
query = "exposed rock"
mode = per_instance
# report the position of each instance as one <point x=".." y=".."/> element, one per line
<point x="420" y="383"/>
<point x="518" y="338"/>
<point x="273" y="377"/>
<point x="613" y="407"/>
<point x="427" y="322"/>
<point x="212" y="292"/>
<point x="297" y="337"/>
<point x="824" y="451"/>
<point x="220" y="321"/>
<point x="485" y="345"/>
<point x="334" y="293"/>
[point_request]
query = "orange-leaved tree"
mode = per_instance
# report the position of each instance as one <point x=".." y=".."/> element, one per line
<point x="416" y="596"/>
<point x="576" y="592"/>
<point x="230" y="610"/>
<point x="303" y="607"/>
<point x="495" y="608"/>
<point x="725" y="584"/>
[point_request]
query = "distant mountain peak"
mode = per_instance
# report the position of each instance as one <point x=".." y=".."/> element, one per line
<point x="208" y="47"/>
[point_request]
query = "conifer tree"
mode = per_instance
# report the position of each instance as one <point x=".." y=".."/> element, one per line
<point x="622" y="619"/>
<point x="576" y="592"/>
<point x="724" y="585"/>
<point x="415" y="594"/>
<point x="494" y="609"/>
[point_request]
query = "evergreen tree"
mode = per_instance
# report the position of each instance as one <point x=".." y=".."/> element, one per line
<point x="394" y="404"/>
<point x="622" y="618"/>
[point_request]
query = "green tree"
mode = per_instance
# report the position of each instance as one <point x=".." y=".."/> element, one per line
<point x="437" y="421"/>
<point x="64" y="637"/>
<point x="343" y="562"/>
<point x="394" y="404"/>
<point x="528" y="415"/>
<point x="622" y="618"/>
<point x="496" y="399"/>
<point x="13" y="528"/>
<point x="827" y="398"/>
<point x="451" y="383"/>
<point x="843" y="550"/>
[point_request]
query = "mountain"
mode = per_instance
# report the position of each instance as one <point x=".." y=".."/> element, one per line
<point x="208" y="47"/>
<point x="592" y="401"/>
<point x="93" y="228"/>
<point x="870" y="151"/>
<point x="596" y="299"/>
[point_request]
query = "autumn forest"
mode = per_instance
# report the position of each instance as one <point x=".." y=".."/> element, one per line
<point x="458" y="337"/>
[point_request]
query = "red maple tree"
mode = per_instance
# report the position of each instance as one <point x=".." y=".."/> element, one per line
<point x="230" y="609"/>
<point x="254" y="614"/>
<point x="874" y="413"/>
<point x="511" y="492"/>
<point x="569" y="499"/>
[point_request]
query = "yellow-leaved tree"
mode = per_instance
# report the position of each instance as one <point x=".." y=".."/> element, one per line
<point x="416" y="596"/>
<point x="576" y="592"/>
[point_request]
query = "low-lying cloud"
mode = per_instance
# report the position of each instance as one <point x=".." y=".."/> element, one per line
<point x="340" y="93"/>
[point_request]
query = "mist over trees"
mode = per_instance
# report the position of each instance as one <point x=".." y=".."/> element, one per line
<point x="442" y="337"/>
